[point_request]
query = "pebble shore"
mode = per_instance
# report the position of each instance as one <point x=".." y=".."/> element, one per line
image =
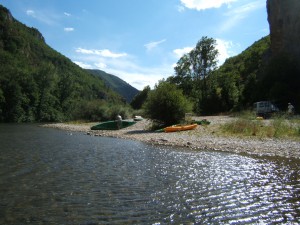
<point x="202" y="138"/>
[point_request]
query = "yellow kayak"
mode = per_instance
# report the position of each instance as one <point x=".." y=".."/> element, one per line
<point x="180" y="127"/>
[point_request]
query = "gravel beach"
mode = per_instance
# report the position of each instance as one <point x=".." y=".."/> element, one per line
<point x="202" y="138"/>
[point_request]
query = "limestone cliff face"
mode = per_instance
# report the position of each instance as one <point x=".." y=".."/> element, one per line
<point x="284" y="20"/>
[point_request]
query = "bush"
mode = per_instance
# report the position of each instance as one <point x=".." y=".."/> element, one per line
<point x="98" y="110"/>
<point x="166" y="104"/>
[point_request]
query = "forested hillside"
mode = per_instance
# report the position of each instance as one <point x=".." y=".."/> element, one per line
<point x="236" y="81"/>
<point x="117" y="84"/>
<point x="254" y="75"/>
<point x="39" y="84"/>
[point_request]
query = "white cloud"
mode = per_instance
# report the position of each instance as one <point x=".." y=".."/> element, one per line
<point x="141" y="77"/>
<point x="180" y="8"/>
<point x="46" y="17"/>
<point x="83" y="65"/>
<point x="247" y="8"/>
<point x="68" y="29"/>
<point x="154" y="44"/>
<point x="204" y="4"/>
<point x="127" y="68"/>
<point x="224" y="49"/>
<point x="30" y="12"/>
<point x="101" y="65"/>
<point x="67" y="14"/>
<point x="103" y="53"/>
<point x="237" y="14"/>
<point x="181" y="51"/>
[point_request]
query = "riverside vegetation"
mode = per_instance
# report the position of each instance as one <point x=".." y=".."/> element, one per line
<point x="39" y="84"/>
<point x="281" y="127"/>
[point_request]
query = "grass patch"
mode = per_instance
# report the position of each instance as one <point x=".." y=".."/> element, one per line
<point x="274" y="128"/>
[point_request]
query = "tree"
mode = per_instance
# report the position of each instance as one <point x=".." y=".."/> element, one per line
<point x="183" y="78"/>
<point x="166" y="104"/>
<point x="193" y="69"/>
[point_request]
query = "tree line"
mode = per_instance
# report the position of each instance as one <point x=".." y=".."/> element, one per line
<point x="254" y="75"/>
<point x="39" y="84"/>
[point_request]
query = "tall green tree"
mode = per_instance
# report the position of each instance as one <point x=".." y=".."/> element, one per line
<point x="183" y="75"/>
<point x="193" y="69"/>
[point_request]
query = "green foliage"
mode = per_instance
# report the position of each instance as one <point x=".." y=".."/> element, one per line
<point x="237" y="77"/>
<point x="233" y="86"/>
<point x="200" y="62"/>
<point x="276" y="128"/>
<point x="166" y="104"/>
<point x="99" y="110"/>
<point x="140" y="98"/>
<point x="193" y="69"/>
<point x="38" y="83"/>
<point x="243" y="127"/>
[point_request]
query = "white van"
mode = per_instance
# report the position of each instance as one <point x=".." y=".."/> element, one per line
<point x="264" y="108"/>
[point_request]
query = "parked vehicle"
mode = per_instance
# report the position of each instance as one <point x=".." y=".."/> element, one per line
<point x="265" y="108"/>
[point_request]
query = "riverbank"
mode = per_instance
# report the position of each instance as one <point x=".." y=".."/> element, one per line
<point x="202" y="138"/>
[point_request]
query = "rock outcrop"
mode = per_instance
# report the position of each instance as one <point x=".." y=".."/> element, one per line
<point x="284" y="20"/>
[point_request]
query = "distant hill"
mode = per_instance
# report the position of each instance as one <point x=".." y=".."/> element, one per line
<point x="39" y="84"/>
<point x="117" y="84"/>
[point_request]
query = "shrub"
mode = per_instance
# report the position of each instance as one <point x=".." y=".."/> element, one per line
<point x="98" y="110"/>
<point x="166" y="104"/>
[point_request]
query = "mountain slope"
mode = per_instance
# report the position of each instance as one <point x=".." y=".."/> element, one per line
<point x="117" y="84"/>
<point x="258" y="75"/>
<point x="39" y="84"/>
<point x="236" y="81"/>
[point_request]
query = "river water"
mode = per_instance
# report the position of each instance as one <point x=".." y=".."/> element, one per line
<point x="49" y="176"/>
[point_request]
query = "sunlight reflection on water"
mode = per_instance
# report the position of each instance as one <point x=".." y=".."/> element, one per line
<point x="51" y="177"/>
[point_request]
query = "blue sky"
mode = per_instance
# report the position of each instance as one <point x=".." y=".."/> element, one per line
<point x="141" y="40"/>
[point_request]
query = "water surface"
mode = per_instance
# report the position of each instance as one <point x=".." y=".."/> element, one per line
<point x="49" y="176"/>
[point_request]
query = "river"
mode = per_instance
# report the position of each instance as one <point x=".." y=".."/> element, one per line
<point x="50" y="176"/>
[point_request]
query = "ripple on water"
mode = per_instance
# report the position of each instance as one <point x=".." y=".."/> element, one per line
<point x="49" y="177"/>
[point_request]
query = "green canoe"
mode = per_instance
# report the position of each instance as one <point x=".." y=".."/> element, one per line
<point x="112" y="125"/>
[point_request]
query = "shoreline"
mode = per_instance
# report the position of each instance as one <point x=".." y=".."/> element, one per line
<point x="202" y="138"/>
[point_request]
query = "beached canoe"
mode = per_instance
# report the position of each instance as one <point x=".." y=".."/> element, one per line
<point x="180" y="127"/>
<point x="112" y="125"/>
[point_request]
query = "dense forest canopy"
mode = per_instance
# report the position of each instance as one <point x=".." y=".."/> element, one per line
<point x="39" y="84"/>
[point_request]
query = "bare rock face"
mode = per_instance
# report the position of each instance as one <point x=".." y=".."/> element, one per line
<point x="284" y="21"/>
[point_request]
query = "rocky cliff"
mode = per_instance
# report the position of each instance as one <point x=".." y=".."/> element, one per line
<point x="284" y="20"/>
